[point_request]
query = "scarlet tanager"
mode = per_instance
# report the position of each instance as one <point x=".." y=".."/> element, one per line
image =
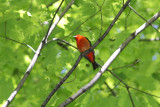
<point x="84" y="44"/>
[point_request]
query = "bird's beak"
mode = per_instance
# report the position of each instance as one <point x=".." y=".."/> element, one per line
<point x="74" y="36"/>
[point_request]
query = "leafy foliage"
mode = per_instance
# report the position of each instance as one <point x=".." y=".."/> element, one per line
<point x="28" y="21"/>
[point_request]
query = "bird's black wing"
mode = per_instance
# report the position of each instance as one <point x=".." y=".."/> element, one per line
<point x="92" y="51"/>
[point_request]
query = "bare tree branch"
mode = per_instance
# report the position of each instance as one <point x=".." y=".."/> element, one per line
<point x="34" y="59"/>
<point x="152" y="39"/>
<point x="50" y="4"/>
<point x="130" y="96"/>
<point x="111" y="90"/>
<point x="72" y="79"/>
<point x="100" y="7"/>
<point x="141" y="16"/>
<point x="110" y="60"/>
<point x="144" y="92"/>
<point x="127" y="18"/>
<point x="130" y="65"/>
<point x="19" y="43"/>
<point x="61" y="40"/>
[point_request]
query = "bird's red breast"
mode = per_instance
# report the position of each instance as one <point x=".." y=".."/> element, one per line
<point x="84" y="44"/>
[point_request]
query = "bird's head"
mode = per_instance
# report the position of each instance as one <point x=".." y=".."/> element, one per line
<point x="78" y="37"/>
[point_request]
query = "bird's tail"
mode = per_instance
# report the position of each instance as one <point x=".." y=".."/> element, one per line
<point x="95" y="65"/>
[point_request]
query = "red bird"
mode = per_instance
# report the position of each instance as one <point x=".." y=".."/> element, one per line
<point x="84" y="44"/>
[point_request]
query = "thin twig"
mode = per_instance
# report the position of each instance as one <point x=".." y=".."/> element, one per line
<point x="19" y="43"/>
<point x="144" y="92"/>
<point x="130" y="65"/>
<point x="152" y="39"/>
<point x="130" y="96"/>
<point x="72" y="79"/>
<point x="50" y="4"/>
<point x="126" y="19"/>
<point x="42" y="27"/>
<point x="61" y="40"/>
<point x="100" y="8"/>
<point x="111" y="90"/>
<point x="142" y="17"/>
